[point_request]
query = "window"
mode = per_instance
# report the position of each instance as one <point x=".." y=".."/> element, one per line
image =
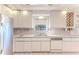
<point x="41" y="27"/>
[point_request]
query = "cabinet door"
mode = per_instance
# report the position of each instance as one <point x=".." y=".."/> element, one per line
<point x="57" y="20"/>
<point x="45" y="45"/>
<point x="67" y="46"/>
<point x="19" y="47"/>
<point x="23" y="21"/>
<point x="75" y="46"/>
<point x="27" y="46"/>
<point x="35" y="46"/>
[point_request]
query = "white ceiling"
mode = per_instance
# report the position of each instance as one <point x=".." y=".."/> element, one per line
<point x="44" y="6"/>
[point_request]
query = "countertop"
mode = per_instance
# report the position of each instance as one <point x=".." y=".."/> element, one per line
<point x="49" y="36"/>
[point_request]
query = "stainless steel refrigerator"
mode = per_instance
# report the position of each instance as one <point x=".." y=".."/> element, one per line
<point x="6" y="35"/>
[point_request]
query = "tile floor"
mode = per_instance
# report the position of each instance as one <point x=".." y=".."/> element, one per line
<point x="46" y="54"/>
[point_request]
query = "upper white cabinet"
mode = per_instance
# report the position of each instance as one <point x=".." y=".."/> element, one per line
<point x="22" y="20"/>
<point x="57" y="19"/>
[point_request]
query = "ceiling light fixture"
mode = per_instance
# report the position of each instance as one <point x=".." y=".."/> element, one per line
<point x="24" y="12"/>
<point x="41" y="17"/>
<point x="10" y="10"/>
<point x="14" y="12"/>
<point x="64" y="12"/>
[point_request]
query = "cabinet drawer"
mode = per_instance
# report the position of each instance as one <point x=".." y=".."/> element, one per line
<point x="67" y="39"/>
<point x="75" y="39"/>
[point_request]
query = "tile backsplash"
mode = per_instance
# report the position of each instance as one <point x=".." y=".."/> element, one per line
<point x="55" y="31"/>
<point x="23" y="31"/>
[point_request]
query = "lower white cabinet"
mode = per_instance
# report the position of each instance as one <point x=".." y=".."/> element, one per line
<point x="75" y="46"/>
<point x="45" y="45"/>
<point x="19" y="47"/>
<point x="71" y="45"/>
<point x="27" y="46"/>
<point x="40" y="44"/>
<point x="31" y="45"/>
<point x="67" y="46"/>
<point x="35" y="46"/>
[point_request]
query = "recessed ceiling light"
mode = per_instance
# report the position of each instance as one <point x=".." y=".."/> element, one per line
<point x="24" y="12"/>
<point x="34" y="4"/>
<point x="10" y="10"/>
<point x="64" y="12"/>
<point x="14" y="12"/>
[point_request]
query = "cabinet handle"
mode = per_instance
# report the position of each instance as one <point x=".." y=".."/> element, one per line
<point x="19" y="41"/>
<point x="56" y="38"/>
<point x="23" y="41"/>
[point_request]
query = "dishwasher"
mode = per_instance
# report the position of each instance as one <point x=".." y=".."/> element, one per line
<point x="56" y="44"/>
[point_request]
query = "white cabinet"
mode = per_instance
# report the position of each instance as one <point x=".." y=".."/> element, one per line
<point x="31" y="45"/>
<point x="35" y="46"/>
<point x="67" y="46"/>
<point x="19" y="46"/>
<point x="75" y="44"/>
<point x="41" y="44"/>
<point x="27" y="46"/>
<point x="71" y="44"/>
<point x="45" y="45"/>
<point x="57" y="19"/>
<point x="22" y="21"/>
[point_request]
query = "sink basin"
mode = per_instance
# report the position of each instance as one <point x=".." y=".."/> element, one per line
<point x="40" y="34"/>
